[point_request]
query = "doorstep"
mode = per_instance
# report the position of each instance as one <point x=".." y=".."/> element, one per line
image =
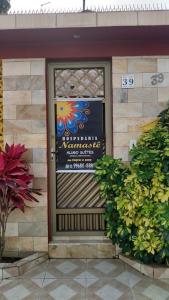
<point x="81" y="247"/>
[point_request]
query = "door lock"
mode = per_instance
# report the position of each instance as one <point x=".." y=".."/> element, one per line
<point x="52" y="153"/>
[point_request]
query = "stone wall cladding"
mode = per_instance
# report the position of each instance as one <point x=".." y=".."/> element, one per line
<point x="25" y="122"/>
<point x="141" y="104"/>
<point x="24" y="100"/>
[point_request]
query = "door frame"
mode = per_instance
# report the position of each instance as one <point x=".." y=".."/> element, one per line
<point x="51" y="126"/>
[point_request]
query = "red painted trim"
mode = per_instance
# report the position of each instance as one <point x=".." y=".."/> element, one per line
<point x="94" y="42"/>
<point x="78" y="51"/>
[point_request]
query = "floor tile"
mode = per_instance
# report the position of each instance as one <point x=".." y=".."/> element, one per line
<point x="77" y="279"/>
<point x="156" y="293"/>
<point x="62" y="292"/>
<point x="103" y="286"/>
<point x="105" y="267"/>
<point x="62" y="268"/>
<point x="38" y="282"/>
<point x="5" y="282"/>
<point x="19" y="292"/>
<point x="128" y="279"/>
<point x="82" y="279"/>
<point x="48" y="281"/>
<point x="108" y="292"/>
<point x="49" y="275"/>
<point x="66" y="267"/>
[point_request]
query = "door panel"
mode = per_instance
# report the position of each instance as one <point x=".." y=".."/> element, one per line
<point x="76" y="203"/>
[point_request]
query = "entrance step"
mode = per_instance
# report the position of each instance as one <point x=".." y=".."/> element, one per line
<point x="81" y="247"/>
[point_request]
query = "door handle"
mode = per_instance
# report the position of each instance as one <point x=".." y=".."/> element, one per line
<point x="52" y="153"/>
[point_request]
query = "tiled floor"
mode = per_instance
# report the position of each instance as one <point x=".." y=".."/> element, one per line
<point x="87" y="279"/>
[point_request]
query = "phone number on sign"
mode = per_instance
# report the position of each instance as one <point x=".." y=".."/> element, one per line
<point x="79" y="166"/>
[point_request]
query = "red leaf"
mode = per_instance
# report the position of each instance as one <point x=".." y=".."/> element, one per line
<point x="15" y="178"/>
<point x="2" y="162"/>
<point x="15" y="151"/>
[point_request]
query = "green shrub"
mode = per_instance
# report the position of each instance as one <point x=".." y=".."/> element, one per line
<point x="137" y="198"/>
<point x="110" y="174"/>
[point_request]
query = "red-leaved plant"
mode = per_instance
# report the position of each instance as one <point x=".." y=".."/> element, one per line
<point x="15" y="187"/>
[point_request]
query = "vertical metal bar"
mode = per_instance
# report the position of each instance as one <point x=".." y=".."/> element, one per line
<point x="84" y="5"/>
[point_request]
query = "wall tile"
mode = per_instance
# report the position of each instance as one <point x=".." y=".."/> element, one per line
<point x="11" y="244"/>
<point x="17" y="97"/>
<point x="42" y="199"/>
<point x="32" y="214"/>
<point x="143" y="95"/>
<point x="163" y="65"/>
<point x="11" y="229"/>
<point x="135" y="124"/>
<point x="9" y="139"/>
<point x="31" y="112"/>
<point x="9" y="112"/>
<point x="39" y="156"/>
<point x="30" y="140"/>
<point x="39" y="169"/>
<point x="39" y="97"/>
<point x="163" y="94"/>
<point x="33" y="229"/>
<point x="128" y="110"/>
<point x="9" y="83"/>
<point x="38" y="67"/>
<point x="40" y="243"/>
<point x="121" y="152"/>
<point x="16" y="68"/>
<point x="28" y="156"/>
<point x="120" y="95"/>
<point x="38" y="126"/>
<point x="120" y="124"/>
<point x="25" y="243"/>
<point x="129" y="124"/>
<point x="139" y="65"/>
<point x="150" y="110"/>
<point x="123" y="139"/>
<point x="23" y="83"/>
<point x="38" y="82"/>
<point x="40" y="183"/>
<point x="116" y="80"/>
<point x="162" y="81"/>
<point x="120" y="65"/>
<point x="17" y="126"/>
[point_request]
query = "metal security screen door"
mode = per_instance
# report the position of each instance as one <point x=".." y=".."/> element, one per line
<point x="80" y="132"/>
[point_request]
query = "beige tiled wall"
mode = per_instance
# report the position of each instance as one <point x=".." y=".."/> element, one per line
<point x="25" y="123"/>
<point x="141" y="104"/>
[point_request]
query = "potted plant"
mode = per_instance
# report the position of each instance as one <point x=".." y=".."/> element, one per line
<point x="15" y="188"/>
<point x="4" y="6"/>
<point x="137" y="196"/>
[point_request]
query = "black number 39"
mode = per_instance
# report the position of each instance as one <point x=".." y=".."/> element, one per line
<point x="158" y="78"/>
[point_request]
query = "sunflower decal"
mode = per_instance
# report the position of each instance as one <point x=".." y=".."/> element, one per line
<point x="71" y="116"/>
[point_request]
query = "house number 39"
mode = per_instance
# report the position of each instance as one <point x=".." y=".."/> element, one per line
<point x="157" y="78"/>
